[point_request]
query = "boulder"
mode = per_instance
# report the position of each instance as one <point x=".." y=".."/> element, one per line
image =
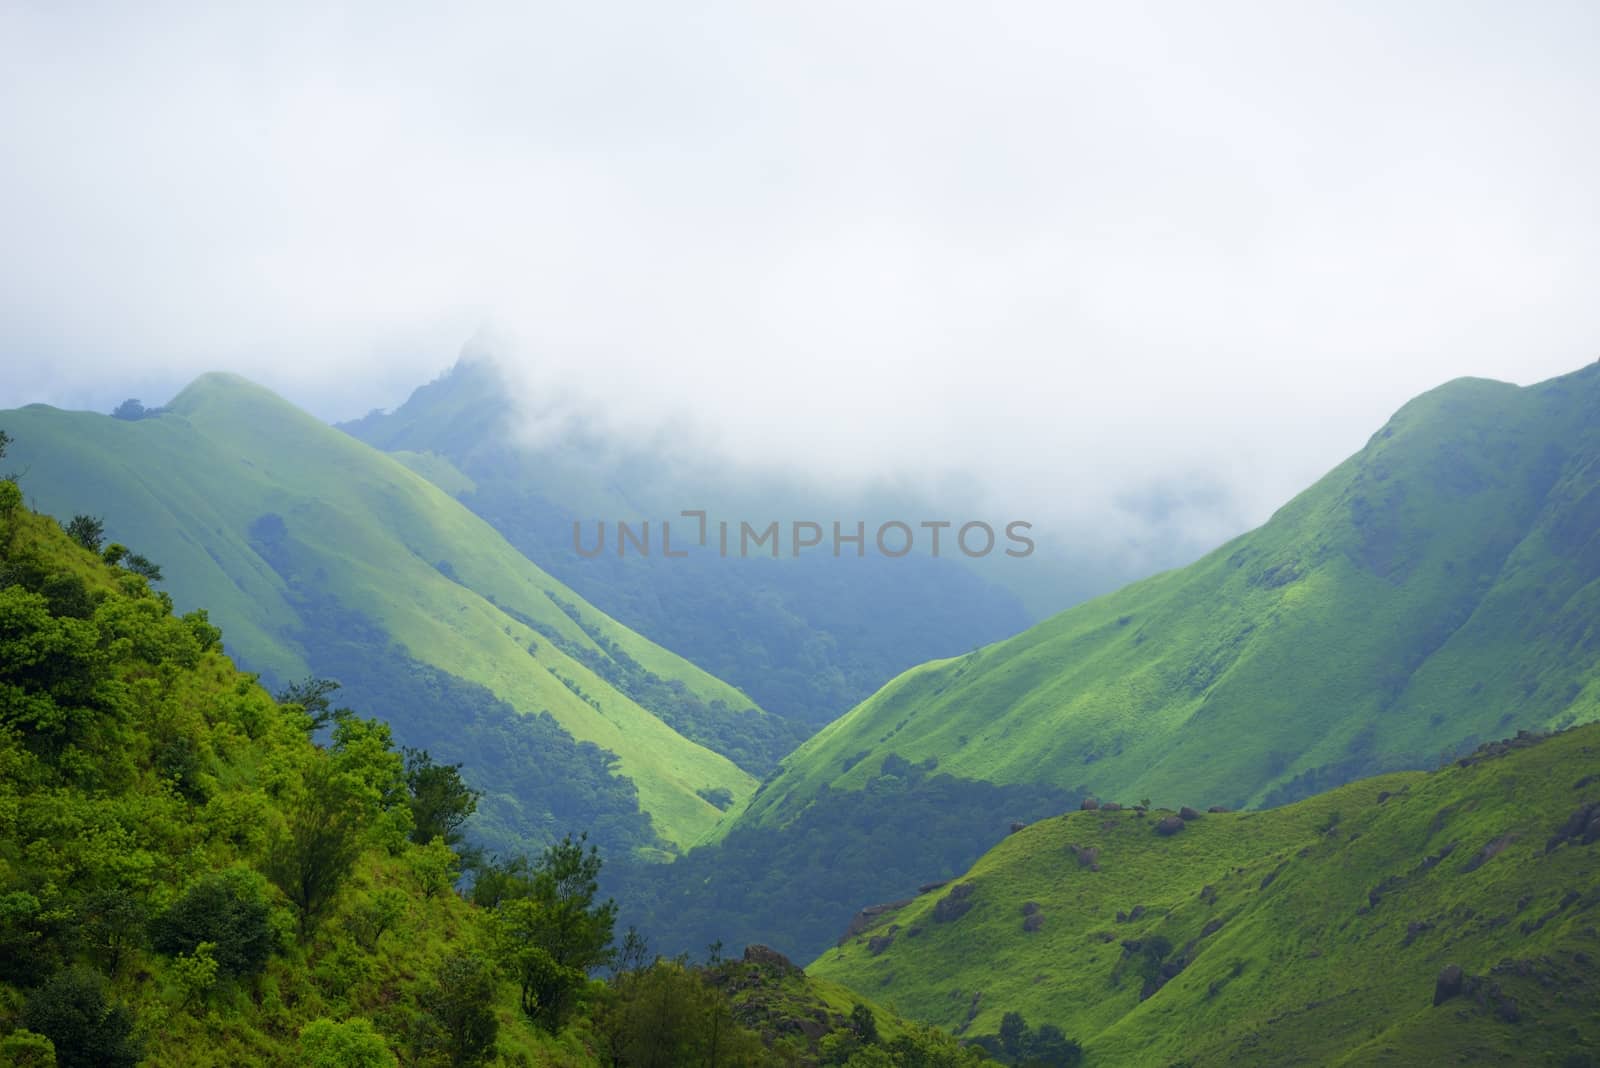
<point x="1110" y="806"/>
<point x="1089" y="804"/>
<point x="1169" y="825"/>
<point x="1187" y="813"/>
<point x="1033" y="922"/>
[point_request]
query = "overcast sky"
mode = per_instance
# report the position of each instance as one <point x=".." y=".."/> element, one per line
<point x="1091" y="253"/>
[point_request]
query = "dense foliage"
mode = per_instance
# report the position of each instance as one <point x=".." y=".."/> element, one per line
<point x="186" y="877"/>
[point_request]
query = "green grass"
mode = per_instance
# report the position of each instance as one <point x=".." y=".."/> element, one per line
<point x="1314" y="932"/>
<point x="1436" y="589"/>
<point x="190" y="489"/>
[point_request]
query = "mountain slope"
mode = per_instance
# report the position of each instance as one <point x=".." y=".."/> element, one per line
<point x="1318" y="933"/>
<point x="1435" y="589"/>
<point x="807" y="637"/>
<point x="314" y="551"/>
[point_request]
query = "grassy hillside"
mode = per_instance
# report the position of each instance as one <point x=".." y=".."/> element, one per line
<point x="187" y="879"/>
<point x="1436" y="589"/>
<point x="807" y="638"/>
<point x="319" y="554"/>
<point x="1319" y="933"/>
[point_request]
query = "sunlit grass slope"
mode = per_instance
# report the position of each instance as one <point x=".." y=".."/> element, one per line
<point x="1312" y="934"/>
<point x="1435" y="589"/>
<point x="255" y="510"/>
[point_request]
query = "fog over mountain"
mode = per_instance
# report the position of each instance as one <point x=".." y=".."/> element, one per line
<point x="1139" y="275"/>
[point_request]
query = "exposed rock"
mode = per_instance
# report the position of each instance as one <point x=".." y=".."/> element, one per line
<point x="1582" y="826"/>
<point x="1208" y="893"/>
<point x="1111" y="806"/>
<point x="1169" y="825"/>
<point x="1489" y="852"/>
<point x="1212" y="928"/>
<point x="1033" y="923"/>
<point x="869" y="915"/>
<point x="955" y="904"/>
<point x="1187" y="813"/>
<point x="1506" y="1009"/>
<point x="1030" y="907"/>
<point x="1088" y="856"/>
<point x="1219" y="808"/>
<point x="878" y="943"/>
<point x="1448" y="985"/>
<point x="1016" y="825"/>
<point x="1384" y="795"/>
<point x="928" y="888"/>
<point x="771" y="958"/>
<point x="1415" y="930"/>
<point x="1089" y="804"/>
<point x="1122" y="917"/>
<point x="1138" y="911"/>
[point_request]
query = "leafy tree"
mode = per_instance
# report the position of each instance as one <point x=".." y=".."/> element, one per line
<point x="129" y="410"/>
<point x="227" y="911"/>
<point x="435" y="866"/>
<point x="112" y="922"/>
<point x="197" y="972"/>
<point x="5" y="443"/>
<point x="24" y="1049"/>
<point x="88" y="1032"/>
<point x="319" y="844"/>
<point x="551" y="938"/>
<point x="459" y="1024"/>
<point x="315" y="698"/>
<point x="667" y="1015"/>
<point x="143" y="566"/>
<point x="87" y="530"/>
<point x="355" y="1043"/>
<point x="440" y="801"/>
<point x="1013" y="1035"/>
<point x="864" y="1023"/>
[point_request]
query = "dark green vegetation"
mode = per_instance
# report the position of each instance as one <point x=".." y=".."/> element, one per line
<point x="186" y="878"/>
<point x="806" y="637"/>
<point x="798" y="888"/>
<point x="322" y="557"/>
<point x="1435" y="590"/>
<point x="1413" y="918"/>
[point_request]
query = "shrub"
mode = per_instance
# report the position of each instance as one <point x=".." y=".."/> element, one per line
<point x="229" y="911"/>
<point x="72" y="1012"/>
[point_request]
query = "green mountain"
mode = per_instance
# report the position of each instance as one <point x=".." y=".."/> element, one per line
<point x="320" y="555"/>
<point x="186" y="879"/>
<point x="1414" y="918"/>
<point x="1436" y="589"/>
<point x="807" y="637"/>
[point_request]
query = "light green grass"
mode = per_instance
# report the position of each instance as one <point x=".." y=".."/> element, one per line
<point x="1303" y="970"/>
<point x="1436" y="589"/>
<point x="186" y="487"/>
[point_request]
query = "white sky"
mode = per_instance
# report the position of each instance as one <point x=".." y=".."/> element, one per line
<point x="1088" y="253"/>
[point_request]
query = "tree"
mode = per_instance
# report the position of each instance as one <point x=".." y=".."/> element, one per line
<point x="228" y="911"/>
<point x="864" y="1023"/>
<point x="142" y="566"/>
<point x="129" y="409"/>
<point x="87" y="530"/>
<point x="1013" y="1035"/>
<point x="459" y="1023"/>
<point x="550" y="939"/>
<point x="71" y="1011"/>
<point x="355" y="1043"/>
<point x="440" y="801"/>
<point x="5" y="443"/>
<point x="318" y="846"/>
<point x="314" y="696"/>
<point x="435" y="867"/>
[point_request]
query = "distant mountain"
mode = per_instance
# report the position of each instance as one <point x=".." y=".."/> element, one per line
<point x="1435" y="590"/>
<point x="807" y="637"/>
<point x="1409" y="919"/>
<point x="319" y="555"/>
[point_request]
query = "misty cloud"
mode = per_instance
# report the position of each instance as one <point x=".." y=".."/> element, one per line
<point x="1142" y="274"/>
